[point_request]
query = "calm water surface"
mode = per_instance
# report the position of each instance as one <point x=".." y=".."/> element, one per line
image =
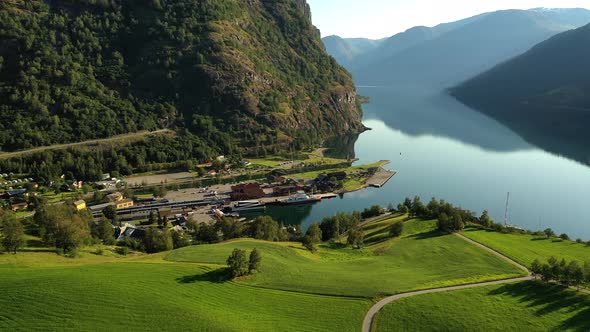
<point x="442" y="149"/>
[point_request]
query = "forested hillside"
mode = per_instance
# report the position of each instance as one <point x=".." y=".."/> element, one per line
<point x="251" y="74"/>
<point x="544" y="94"/>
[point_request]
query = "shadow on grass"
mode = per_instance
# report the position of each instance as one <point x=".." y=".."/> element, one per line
<point x="427" y="235"/>
<point x="218" y="276"/>
<point x="545" y="299"/>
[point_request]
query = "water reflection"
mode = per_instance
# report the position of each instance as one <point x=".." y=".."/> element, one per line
<point x="420" y="111"/>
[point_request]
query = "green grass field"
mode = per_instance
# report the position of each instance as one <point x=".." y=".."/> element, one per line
<point x="525" y="306"/>
<point x="415" y="261"/>
<point x="151" y="294"/>
<point x="526" y="248"/>
<point x="186" y="289"/>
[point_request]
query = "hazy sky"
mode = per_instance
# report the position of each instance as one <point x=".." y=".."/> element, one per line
<point x="384" y="18"/>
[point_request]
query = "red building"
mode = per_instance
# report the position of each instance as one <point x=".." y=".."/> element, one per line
<point x="246" y="191"/>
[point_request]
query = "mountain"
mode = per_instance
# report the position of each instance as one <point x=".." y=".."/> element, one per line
<point x="229" y="74"/>
<point x="403" y="41"/>
<point x="347" y="50"/>
<point x="543" y="94"/>
<point x="445" y="56"/>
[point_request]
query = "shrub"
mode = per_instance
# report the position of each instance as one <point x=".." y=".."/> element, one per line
<point x="123" y="251"/>
<point x="396" y="229"/>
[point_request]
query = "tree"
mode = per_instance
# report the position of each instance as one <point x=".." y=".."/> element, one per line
<point x="485" y="219"/>
<point x="575" y="274"/>
<point x="536" y="268"/>
<point x="356" y="236"/>
<point x="330" y="227"/>
<point x="308" y="243"/>
<point x="265" y="228"/>
<point x="564" y="237"/>
<point x="230" y="228"/>
<point x="458" y="223"/>
<point x="110" y="212"/>
<point x="396" y="229"/>
<point x="255" y="260"/>
<point x="12" y="233"/>
<point x="401" y="208"/>
<point x="315" y="233"/>
<point x="156" y="240"/>
<point x="179" y="239"/>
<point x="444" y="223"/>
<point x="206" y="234"/>
<point x="153" y="218"/>
<point x="103" y="230"/>
<point x="549" y="232"/>
<point x="238" y="263"/>
<point x="63" y="226"/>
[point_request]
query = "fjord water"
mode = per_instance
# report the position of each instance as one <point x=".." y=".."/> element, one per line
<point x="443" y="149"/>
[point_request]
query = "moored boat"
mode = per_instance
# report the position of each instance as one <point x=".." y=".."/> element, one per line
<point x="300" y="198"/>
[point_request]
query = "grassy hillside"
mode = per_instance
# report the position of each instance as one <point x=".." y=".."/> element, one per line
<point x="526" y="248"/>
<point x="139" y="296"/>
<point x="187" y="289"/>
<point x="422" y="260"/>
<point x="526" y="306"/>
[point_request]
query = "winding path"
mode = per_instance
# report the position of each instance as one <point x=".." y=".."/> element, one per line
<point x="368" y="321"/>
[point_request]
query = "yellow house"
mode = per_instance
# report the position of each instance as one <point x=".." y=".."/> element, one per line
<point x="124" y="203"/>
<point x="80" y="205"/>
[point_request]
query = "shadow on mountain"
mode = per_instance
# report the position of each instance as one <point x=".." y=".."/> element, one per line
<point x="545" y="299"/>
<point x="419" y="111"/>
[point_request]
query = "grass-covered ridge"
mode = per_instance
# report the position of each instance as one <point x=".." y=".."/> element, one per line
<point x="139" y="296"/>
<point x="525" y="306"/>
<point x="422" y="258"/>
<point x="526" y="248"/>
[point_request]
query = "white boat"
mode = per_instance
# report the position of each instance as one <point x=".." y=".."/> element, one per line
<point x="248" y="206"/>
<point x="300" y="198"/>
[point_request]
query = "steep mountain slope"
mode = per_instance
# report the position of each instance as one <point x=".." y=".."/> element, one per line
<point x="347" y="50"/>
<point x="544" y="93"/>
<point x="234" y="73"/>
<point x="471" y="48"/>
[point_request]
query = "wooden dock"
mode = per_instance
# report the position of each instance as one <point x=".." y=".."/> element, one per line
<point x="380" y="178"/>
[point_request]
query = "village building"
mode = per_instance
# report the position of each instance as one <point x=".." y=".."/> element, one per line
<point x="124" y="203"/>
<point x="115" y="197"/>
<point x="246" y="191"/>
<point x="80" y="204"/>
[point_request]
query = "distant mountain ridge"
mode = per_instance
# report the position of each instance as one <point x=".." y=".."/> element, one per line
<point x="447" y="54"/>
<point x="544" y="94"/>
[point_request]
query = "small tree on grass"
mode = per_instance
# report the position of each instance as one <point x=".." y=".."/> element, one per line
<point x="255" y="260"/>
<point x="314" y="232"/>
<point x="308" y="243"/>
<point x="536" y="268"/>
<point x="356" y="237"/>
<point x="12" y="234"/>
<point x="238" y="263"/>
<point x="549" y="232"/>
<point x="396" y="229"/>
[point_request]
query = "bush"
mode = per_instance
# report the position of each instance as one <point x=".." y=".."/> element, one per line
<point x="564" y="237"/>
<point x="396" y="229"/>
<point x="123" y="251"/>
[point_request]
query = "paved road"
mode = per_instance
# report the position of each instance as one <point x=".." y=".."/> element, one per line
<point x="368" y="321"/>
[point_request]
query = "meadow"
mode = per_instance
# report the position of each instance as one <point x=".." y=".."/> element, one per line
<point x="421" y="258"/>
<point x="525" y="248"/>
<point x="187" y="289"/>
<point x="524" y="306"/>
<point x="154" y="295"/>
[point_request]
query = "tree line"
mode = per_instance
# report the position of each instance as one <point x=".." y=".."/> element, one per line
<point x="561" y="271"/>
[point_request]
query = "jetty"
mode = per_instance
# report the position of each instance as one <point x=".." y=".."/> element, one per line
<point x="380" y="177"/>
